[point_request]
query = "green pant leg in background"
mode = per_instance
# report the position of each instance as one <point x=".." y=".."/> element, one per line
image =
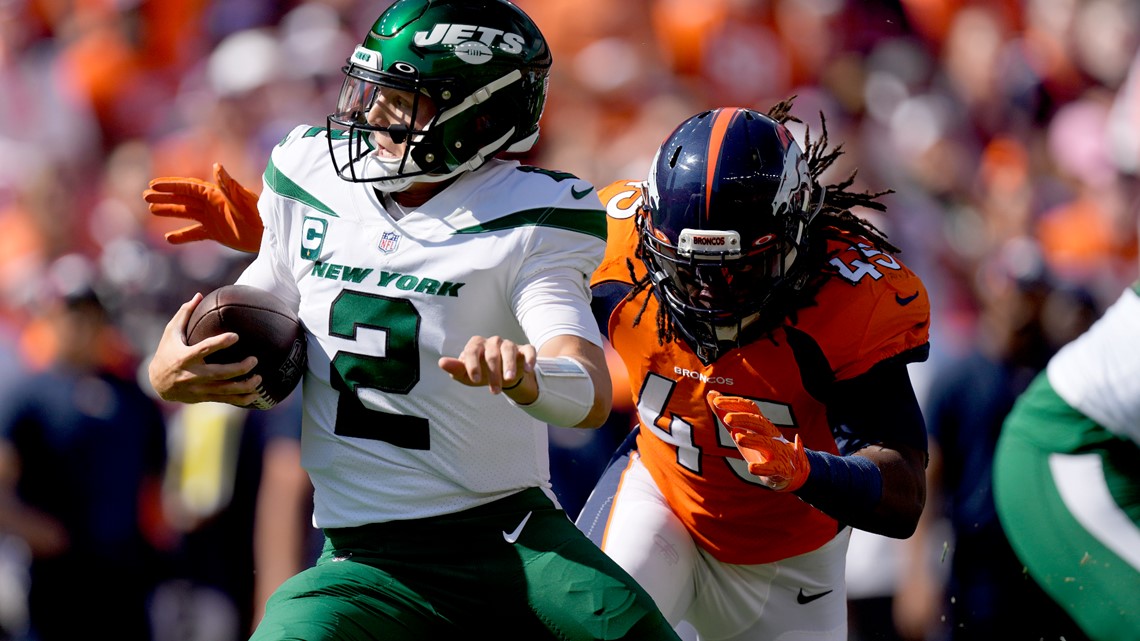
<point x="1073" y="516"/>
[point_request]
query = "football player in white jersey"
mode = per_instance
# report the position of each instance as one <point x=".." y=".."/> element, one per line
<point x="1067" y="475"/>
<point x="445" y="298"/>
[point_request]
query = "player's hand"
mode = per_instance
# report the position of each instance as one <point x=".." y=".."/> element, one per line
<point x="179" y="372"/>
<point x="781" y="465"/>
<point x="496" y="363"/>
<point x="222" y="211"/>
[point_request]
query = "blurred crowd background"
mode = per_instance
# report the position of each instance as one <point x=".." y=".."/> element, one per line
<point x="1007" y="130"/>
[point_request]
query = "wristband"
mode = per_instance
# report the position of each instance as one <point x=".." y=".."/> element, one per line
<point x="565" y="392"/>
<point x="846" y="488"/>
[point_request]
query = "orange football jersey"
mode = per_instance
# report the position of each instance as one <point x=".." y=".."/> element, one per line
<point x="871" y="307"/>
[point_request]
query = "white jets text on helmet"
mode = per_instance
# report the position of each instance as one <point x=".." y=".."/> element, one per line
<point x="454" y="34"/>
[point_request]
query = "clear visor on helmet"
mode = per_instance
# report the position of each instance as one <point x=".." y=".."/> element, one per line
<point x="365" y="104"/>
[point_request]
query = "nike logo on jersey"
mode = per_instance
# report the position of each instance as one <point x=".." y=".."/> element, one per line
<point x="579" y="195"/>
<point x="514" y="536"/>
<point x="904" y="301"/>
<point x="804" y="599"/>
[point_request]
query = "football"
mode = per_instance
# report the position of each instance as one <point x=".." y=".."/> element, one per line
<point x="266" y="328"/>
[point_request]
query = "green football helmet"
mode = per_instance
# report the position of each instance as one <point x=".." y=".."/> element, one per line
<point x="484" y="65"/>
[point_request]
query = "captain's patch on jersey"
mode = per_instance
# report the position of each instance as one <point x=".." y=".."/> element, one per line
<point x="313" y="237"/>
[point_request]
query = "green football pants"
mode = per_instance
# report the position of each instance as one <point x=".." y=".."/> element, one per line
<point x="513" y="569"/>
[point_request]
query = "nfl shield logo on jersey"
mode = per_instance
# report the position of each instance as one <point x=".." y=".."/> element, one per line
<point x="388" y="241"/>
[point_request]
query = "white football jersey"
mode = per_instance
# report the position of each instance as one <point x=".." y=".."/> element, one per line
<point x="1099" y="372"/>
<point x="387" y="434"/>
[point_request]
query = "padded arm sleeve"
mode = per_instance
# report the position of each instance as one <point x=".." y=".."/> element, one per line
<point x="879" y="407"/>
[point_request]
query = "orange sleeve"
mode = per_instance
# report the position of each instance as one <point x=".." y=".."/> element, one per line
<point x="884" y="308"/>
<point x="622" y="199"/>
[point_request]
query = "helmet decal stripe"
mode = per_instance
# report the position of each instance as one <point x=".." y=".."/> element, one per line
<point x="716" y="140"/>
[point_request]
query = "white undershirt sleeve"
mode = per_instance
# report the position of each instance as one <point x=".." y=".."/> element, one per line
<point x="556" y="302"/>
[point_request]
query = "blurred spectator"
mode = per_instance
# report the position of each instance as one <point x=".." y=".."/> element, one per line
<point x="43" y="118"/>
<point x="221" y="108"/>
<point x="81" y="462"/>
<point x="873" y="568"/>
<point x="236" y="491"/>
<point x="878" y="568"/>
<point x="1123" y="125"/>
<point x="1091" y="236"/>
<point x="987" y="596"/>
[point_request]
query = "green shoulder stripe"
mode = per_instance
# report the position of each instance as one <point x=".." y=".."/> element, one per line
<point x="585" y="221"/>
<point x="282" y="186"/>
<point x="1136" y="287"/>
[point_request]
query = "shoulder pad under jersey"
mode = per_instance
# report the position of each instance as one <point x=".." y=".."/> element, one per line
<point x="622" y="199"/>
<point x="870" y="308"/>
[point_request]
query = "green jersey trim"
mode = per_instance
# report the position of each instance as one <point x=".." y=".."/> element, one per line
<point x="286" y="188"/>
<point x="586" y="221"/>
<point x="1047" y="420"/>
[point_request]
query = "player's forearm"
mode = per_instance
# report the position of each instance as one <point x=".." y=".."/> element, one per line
<point x="879" y="490"/>
<point x="587" y="395"/>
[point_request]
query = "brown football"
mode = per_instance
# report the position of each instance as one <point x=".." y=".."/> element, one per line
<point x="266" y="328"/>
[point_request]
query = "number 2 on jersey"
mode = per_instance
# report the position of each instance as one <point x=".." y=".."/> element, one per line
<point x="396" y="372"/>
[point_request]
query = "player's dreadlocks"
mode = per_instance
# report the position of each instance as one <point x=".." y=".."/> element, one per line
<point x="833" y="220"/>
<point x="839" y="200"/>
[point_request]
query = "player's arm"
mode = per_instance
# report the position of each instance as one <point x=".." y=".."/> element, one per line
<point x="179" y="372"/>
<point x="566" y="384"/>
<point x="223" y="211"/>
<point x="879" y="487"/>
<point x="606" y="297"/>
<point x="591" y="358"/>
<point x="880" y="418"/>
<point x="562" y="378"/>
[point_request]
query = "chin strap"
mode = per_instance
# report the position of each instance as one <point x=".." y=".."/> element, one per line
<point x="483" y="154"/>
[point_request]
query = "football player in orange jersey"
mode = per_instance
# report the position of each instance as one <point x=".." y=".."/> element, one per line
<point x="766" y="330"/>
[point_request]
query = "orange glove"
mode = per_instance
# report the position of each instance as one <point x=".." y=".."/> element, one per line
<point x="781" y="465"/>
<point x="223" y="211"/>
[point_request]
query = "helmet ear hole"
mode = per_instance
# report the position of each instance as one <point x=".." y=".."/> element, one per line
<point x="427" y="156"/>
